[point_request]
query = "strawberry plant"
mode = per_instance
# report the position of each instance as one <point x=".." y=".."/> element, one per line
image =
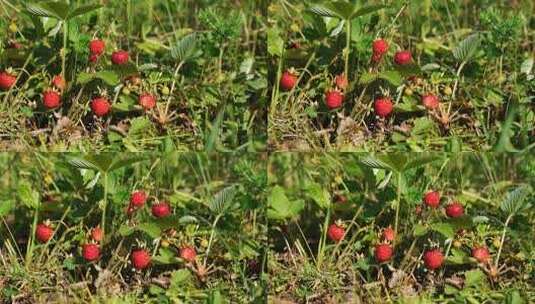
<point x="418" y="76"/>
<point x="132" y="228"/>
<point x="470" y="241"/>
<point x="108" y="75"/>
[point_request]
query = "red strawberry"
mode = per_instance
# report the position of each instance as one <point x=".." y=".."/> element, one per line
<point x="91" y="252"/>
<point x="335" y="232"/>
<point x="433" y="259"/>
<point x="432" y="199"/>
<point x="380" y="47"/>
<point x="7" y="80"/>
<point x="333" y="99"/>
<point x="188" y="253"/>
<point x="288" y="80"/>
<point x="340" y="198"/>
<point x="455" y="209"/>
<point x="96" y="47"/>
<point x="161" y="209"/>
<point x="147" y="101"/>
<point x="97" y="234"/>
<point x="383" y="252"/>
<point x="403" y="57"/>
<point x="59" y="82"/>
<point x="140" y="258"/>
<point x="100" y="106"/>
<point x="119" y="57"/>
<point x="51" y="99"/>
<point x="44" y="232"/>
<point x="138" y="199"/>
<point x="430" y="101"/>
<point x="481" y="254"/>
<point x="341" y="81"/>
<point x="93" y="58"/>
<point x="383" y="107"/>
<point x="389" y="234"/>
<point x="14" y="45"/>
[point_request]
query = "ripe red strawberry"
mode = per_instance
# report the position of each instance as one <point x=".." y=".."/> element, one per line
<point x="403" y="57"/>
<point x="161" y="209"/>
<point x="97" y="234"/>
<point x="454" y="210"/>
<point x="7" y="80"/>
<point x="341" y="81"/>
<point x="100" y="106"/>
<point x="335" y="232"/>
<point x="93" y="58"/>
<point x="288" y="80"/>
<point x="433" y="259"/>
<point x="389" y="234"/>
<point x="140" y="258"/>
<point x="43" y="232"/>
<point x="334" y="99"/>
<point x="432" y="199"/>
<point x="119" y="57"/>
<point x="481" y="254"/>
<point x="380" y="47"/>
<point x="59" y="82"/>
<point x="96" y="47"/>
<point x="91" y="252"/>
<point x="430" y="101"/>
<point x="383" y="106"/>
<point x="147" y="101"/>
<point x="383" y="252"/>
<point x="51" y="99"/>
<point x="188" y="253"/>
<point x="138" y="199"/>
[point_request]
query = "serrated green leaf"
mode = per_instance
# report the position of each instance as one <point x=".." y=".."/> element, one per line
<point x="467" y="48"/>
<point x="280" y="207"/>
<point x="81" y="10"/>
<point x="515" y="200"/>
<point x="186" y="48"/>
<point x="319" y="194"/>
<point x="223" y="200"/>
<point x="366" y="10"/>
<point x="275" y="43"/>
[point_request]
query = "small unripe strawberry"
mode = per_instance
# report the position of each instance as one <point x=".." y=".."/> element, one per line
<point x="140" y="258"/>
<point x="433" y="259"/>
<point x="97" y="234"/>
<point x="97" y="47"/>
<point x="380" y="47"/>
<point x="7" y="80"/>
<point x="383" y="107"/>
<point x="454" y="210"/>
<point x="59" y="82"/>
<point x="334" y="99"/>
<point x="383" y="252"/>
<point x="147" y="101"/>
<point x="335" y="232"/>
<point x="288" y="80"/>
<point x="481" y="254"/>
<point x="432" y="199"/>
<point x="457" y="244"/>
<point x="161" y="209"/>
<point x="188" y="253"/>
<point x="138" y="199"/>
<point x="91" y="252"/>
<point x="389" y="234"/>
<point x="51" y="99"/>
<point x="43" y="232"/>
<point x="403" y="57"/>
<point x="430" y="101"/>
<point x="119" y="57"/>
<point x="341" y="81"/>
<point x="100" y="106"/>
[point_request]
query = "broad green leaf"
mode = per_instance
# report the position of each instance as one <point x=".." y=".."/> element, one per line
<point x="280" y="207"/>
<point x="6" y="206"/>
<point x="179" y="278"/>
<point x="52" y="9"/>
<point x="515" y="201"/>
<point x="28" y="195"/>
<point x="275" y="42"/>
<point x="467" y="48"/>
<point x="474" y="278"/>
<point x="81" y="10"/>
<point x="186" y="48"/>
<point x="445" y="229"/>
<point x="223" y="200"/>
<point x="419" y="230"/>
<point x="320" y="195"/>
<point x="166" y="256"/>
<point x="367" y="10"/>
